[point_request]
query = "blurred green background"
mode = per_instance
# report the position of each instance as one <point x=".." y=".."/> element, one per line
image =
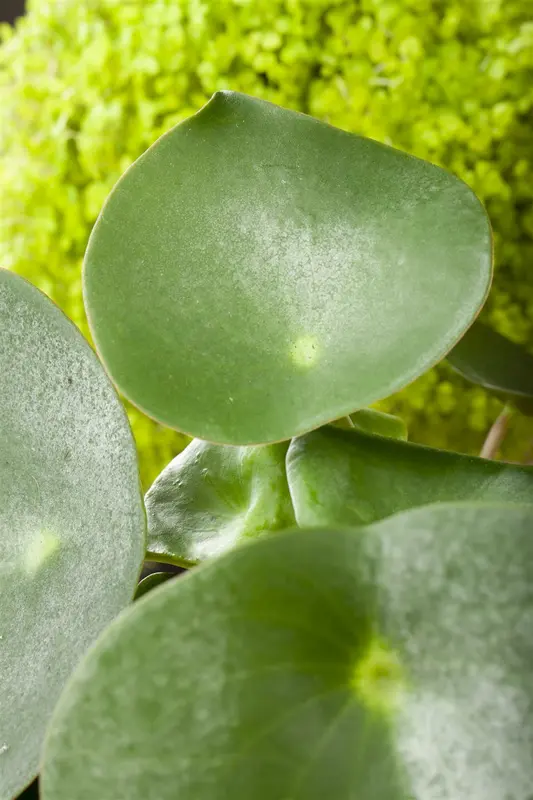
<point x="87" y="85"/>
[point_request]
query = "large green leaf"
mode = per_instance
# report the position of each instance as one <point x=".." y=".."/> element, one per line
<point x="210" y="497"/>
<point x="386" y="663"/>
<point x="257" y="273"/>
<point x="348" y="477"/>
<point x="486" y="357"/>
<point x="71" y="515"/>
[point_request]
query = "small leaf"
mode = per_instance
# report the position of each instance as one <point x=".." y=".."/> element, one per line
<point x="487" y="358"/>
<point x="150" y="582"/>
<point x="257" y="273"/>
<point x="342" y="477"/>
<point x="369" y="420"/>
<point x="210" y="497"/>
<point x="386" y="663"/>
<point x="71" y="515"/>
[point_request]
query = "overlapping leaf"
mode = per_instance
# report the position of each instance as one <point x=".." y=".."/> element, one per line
<point x="349" y="477"/>
<point x="210" y="497"/>
<point x="257" y="273"/>
<point x="71" y="517"/>
<point x="150" y="582"/>
<point x="369" y="420"/>
<point x="382" y="663"/>
<point x="487" y="358"/>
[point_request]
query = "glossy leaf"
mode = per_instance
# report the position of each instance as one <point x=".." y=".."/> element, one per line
<point x="210" y="497"/>
<point x="489" y="359"/>
<point x="257" y="273"/>
<point x="385" y="663"/>
<point x="150" y="582"/>
<point x="71" y="516"/>
<point x="339" y="477"/>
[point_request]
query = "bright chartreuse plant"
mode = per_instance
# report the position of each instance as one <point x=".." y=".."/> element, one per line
<point x="358" y="619"/>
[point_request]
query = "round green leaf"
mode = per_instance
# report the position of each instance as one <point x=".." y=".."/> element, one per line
<point x="487" y="358"/>
<point x="339" y="477"/>
<point x="257" y="273"/>
<point x="210" y="497"/>
<point x="387" y="663"/>
<point x="150" y="582"/>
<point x="71" y="515"/>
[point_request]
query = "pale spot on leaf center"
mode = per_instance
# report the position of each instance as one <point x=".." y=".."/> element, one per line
<point x="304" y="351"/>
<point x="379" y="678"/>
<point x="42" y="547"/>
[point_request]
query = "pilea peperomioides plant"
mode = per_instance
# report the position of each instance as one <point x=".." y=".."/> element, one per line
<point x="362" y="627"/>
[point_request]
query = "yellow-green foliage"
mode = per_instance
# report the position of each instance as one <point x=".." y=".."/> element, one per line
<point x="87" y="85"/>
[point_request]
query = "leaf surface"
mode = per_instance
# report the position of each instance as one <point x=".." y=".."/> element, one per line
<point x="384" y="663"/>
<point x="489" y="359"/>
<point x="71" y="518"/>
<point x="347" y="477"/>
<point x="258" y="273"/>
<point x="211" y="497"/>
